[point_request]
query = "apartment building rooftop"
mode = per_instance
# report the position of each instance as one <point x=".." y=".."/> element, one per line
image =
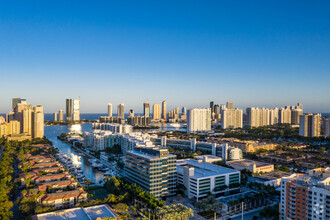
<point x="92" y="212"/>
<point x="202" y="169"/>
<point x="247" y="163"/>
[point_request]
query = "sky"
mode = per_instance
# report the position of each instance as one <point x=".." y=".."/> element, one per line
<point x="254" y="53"/>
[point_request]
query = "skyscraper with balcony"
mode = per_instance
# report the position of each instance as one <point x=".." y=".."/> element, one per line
<point x="212" y="107"/>
<point x="60" y="115"/>
<point x="284" y="115"/>
<point x="156" y="112"/>
<point x="232" y="118"/>
<point x="198" y="120"/>
<point x="230" y="105"/>
<point x="109" y="110"/>
<point x="38" y="122"/>
<point x="327" y="127"/>
<point x="164" y="110"/>
<point x="146" y="109"/>
<point x="306" y="196"/>
<point x="76" y="110"/>
<point x="153" y="169"/>
<point x="310" y="125"/>
<point x="295" y="116"/>
<point x="69" y="110"/>
<point x="121" y="111"/>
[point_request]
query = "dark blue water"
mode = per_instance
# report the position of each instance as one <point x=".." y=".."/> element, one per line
<point x="51" y="132"/>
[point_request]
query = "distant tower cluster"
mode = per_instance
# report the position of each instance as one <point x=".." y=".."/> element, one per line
<point x="23" y="119"/>
<point x="263" y="117"/>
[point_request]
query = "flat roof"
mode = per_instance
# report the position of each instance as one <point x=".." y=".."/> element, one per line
<point x="74" y="213"/>
<point x="202" y="169"/>
<point x="208" y="156"/>
<point x="99" y="211"/>
<point x="247" y="163"/>
<point x="88" y="213"/>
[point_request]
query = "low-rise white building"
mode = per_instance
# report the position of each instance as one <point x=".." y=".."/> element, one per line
<point x="201" y="178"/>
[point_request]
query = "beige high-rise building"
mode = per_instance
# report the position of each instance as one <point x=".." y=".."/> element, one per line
<point x="230" y="105"/>
<point x="232" y="118"/>
<point x="55" y="116"/>
<point x="76" y="110"/>
<point x="121" y="111"/>
<point x="310" y="125"/>
<point x="60" y="115"/>
<point x="23" y="116"/>
<point x="327" y="127"/>
<point x="156" y="112"/>
<point x="284" y="115"/>
<point x="38" y="122"/>
<point x="27" y="121"/>
<point x="295" y="115"/>
<point x="258" y="117"/>
<point x="109" y="110"/>
<point x="10" y="128"/>
<point x="164" y="110"/>
<point x="273" y="116"/>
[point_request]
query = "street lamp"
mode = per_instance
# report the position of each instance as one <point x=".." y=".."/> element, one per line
<point x="242" y="210"/>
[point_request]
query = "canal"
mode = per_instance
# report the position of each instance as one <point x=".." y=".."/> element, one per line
<point x="51" y="132"/>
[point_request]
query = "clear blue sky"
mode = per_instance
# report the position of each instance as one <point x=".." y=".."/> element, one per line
<point x="255" y="53"/>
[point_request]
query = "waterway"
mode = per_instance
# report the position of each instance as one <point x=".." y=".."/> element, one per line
<point x="51" y="132"/>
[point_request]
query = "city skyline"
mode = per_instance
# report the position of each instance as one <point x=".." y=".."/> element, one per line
<point x="247" y="53"/>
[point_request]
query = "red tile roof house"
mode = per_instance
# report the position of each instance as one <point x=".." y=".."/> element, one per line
<point x="56" y="185"/>
<point x="45" y="178"/>
<point x="63" y="199"/>
<point x="44" y="165"/>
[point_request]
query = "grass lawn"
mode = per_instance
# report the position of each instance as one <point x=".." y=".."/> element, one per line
<point x="99" y="193"/>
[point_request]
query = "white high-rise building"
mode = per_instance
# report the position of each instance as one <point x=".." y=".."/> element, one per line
<point x="76" y="110"/>
<point x="199" y="119"/>
<point x="109" y="110"/>
<point x="232" y="118"/>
